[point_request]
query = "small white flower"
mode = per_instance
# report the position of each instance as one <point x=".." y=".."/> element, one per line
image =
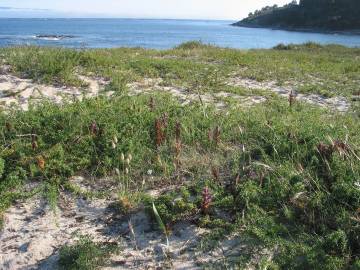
<point x="150" y="172"/>
<point x="113" y="145"/>
<point x="127" y="161"/>
<point x="357" y="184"/>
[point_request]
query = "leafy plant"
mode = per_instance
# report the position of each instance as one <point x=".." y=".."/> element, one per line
<point x="2" y="167"/>
<point x="160" y="223"/>
<point x="85" y="255"/>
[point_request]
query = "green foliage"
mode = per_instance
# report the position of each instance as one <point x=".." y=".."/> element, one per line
<point x="191" y="45"/>
<point x="2" y="167"/>
<point x="47" y="65"/>
<point x="84" y="255"/>
<point x="329" y="70"/>
<point x="160" y="222"/>
<point x="170" y="207"/>
<point x="307" y="45"/>
<point x="309" y="14"/>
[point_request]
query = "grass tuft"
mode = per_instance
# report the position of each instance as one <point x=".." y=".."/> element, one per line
<point x="85" y="255"/>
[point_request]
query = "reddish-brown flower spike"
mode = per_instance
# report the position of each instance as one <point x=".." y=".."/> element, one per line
<point x="177" y="148"/>
<point x="206" y="200"/>
<point x="34" y="143"/>
<point x="40" y="162"/>
<point x="93" y="128"/>
<point x="215" y="172"/>
<point x="178" y="132"/>
<point x="234" y="184"/>
<point x="151" y="104"/>
<point x="8" y="126"/>
<point x="210" y="135"/>
<point x="216" y="135"/>
<point x="341" y="147"/>
<point x="159" y="132"/>
<point x="325" y="150"/>
<point x="165" y="120"/>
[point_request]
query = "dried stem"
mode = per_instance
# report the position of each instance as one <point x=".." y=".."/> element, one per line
<point x="159" y="132"/>
<point x="292" y="98"/>
<point x="216" y="135"/>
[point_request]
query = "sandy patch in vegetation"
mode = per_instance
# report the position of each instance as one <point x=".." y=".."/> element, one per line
<point x="17" y="92"/>
<point x="336" y="103"/>
<point x="33" y="231"/>
<point x="33" y="234"/>
<point x="149" y="85"/>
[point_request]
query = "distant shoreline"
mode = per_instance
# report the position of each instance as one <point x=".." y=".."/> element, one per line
<point x="154" y="34"/>
<point x="299" y="29"/>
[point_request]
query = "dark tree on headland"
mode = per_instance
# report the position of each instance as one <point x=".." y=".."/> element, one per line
<point x="308" y="14"/>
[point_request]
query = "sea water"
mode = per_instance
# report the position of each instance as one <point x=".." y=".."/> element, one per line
<point x="157" y="34"/>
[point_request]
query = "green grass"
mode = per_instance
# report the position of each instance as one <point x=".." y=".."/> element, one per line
<point x="85" y="255"/>
<point x="329" y="70"/>
<point x="284" y="178"/>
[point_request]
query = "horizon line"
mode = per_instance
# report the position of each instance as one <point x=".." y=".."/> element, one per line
<point x="122" y="18"/>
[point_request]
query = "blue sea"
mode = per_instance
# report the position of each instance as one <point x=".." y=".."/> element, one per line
<point x="157" y="34"/>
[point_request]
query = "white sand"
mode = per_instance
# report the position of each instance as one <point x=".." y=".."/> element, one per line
<point x="33" y="234"/>
<point x="340" y="104"/>
<point x="17" y="92"/>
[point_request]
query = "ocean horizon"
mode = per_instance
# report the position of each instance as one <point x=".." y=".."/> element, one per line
<point x="151" y="33"/>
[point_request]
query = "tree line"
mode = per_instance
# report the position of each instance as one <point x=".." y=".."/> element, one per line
<point x="324" y="14"/>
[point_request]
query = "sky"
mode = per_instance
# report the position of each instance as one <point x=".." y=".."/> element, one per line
<point x="166" y="9"/>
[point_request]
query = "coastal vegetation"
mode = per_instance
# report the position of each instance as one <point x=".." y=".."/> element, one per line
<point x="335" y="15"/>
<point x="283" y="176"/>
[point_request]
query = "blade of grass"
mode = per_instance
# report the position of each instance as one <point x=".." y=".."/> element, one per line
<point x="160" y="223"/>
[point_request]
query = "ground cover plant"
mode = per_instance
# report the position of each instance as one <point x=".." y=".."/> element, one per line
<point x="85" y="254"/>
<point x="282" y="174"/>
<point x="328" y="70"/>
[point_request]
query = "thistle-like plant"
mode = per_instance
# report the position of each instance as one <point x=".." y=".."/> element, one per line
<point x="325" y="150"/>
<point x="165" y="120"/>
<point x="94" y="128"/>
<point x="215" y="173"/>
<point x="178" y="132"/>
<point x="206" y="200"/>
<point x="216" y="135"/>
<point x="151" y="104"/>
<point x="34" y="143"/>
<point x="159" y="132"/>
